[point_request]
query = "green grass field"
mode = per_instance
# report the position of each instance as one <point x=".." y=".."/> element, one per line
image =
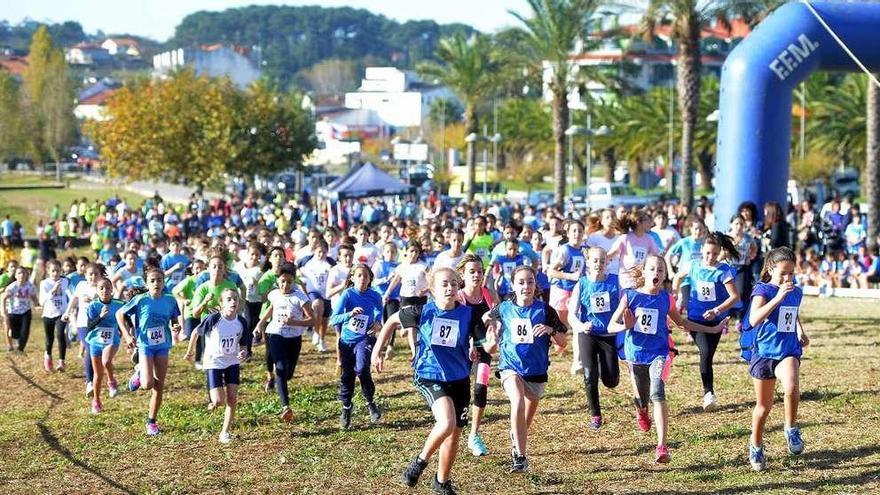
<point x="49" y="443"/>
<point x="30" y="205"/>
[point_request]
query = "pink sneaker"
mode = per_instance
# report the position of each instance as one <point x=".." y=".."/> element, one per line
<point x="97" y="407"/>
<point x="60" y="366"/>
<point x="153" y="429"/>
<point x="47" y="362"/>
<point x="643" y="419"/>
<point x="112" y="389"/>
<point x="663" y="456"/>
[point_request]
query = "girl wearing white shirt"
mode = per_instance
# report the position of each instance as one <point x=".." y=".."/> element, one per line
<point x="54" y="300"/>
<point x="85" y="292"/>
<point x="20" y="295"/>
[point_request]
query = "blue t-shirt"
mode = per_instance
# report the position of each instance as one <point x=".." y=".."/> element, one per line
<point x="707" y="290"/>
<point x="649" y="338"/>
<point x="687" y="249"/>
<point x="384" y="272"/>
<point x="168" y="261"/>
<point x="443" y="352"/>
<point x="525" y="249"/>
<point x="153" y="317"/>
<point x="231" y="276"/>
<point x="107" y="330"/>
<point x="520" y="350"/>
<point x="355" y="328"/>
<point x="597" y="302"/>
<point x="574" y="263"/>
<point x="73" y="279"/>
<point x="776" y="336"/>
<point x="508" y="265"/>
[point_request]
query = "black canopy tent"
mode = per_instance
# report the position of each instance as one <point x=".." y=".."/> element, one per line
<point x="362" y="181"/>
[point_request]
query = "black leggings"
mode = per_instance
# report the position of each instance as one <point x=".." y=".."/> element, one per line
<point x="253" y="317"/>
<point x="599" y="357"/>
<point x="392" y="307"/>
<point x="707" y="343"/>
<point x="20" y="328"/>
<point x="285" y="355"/>
<point x="54" y="329"/>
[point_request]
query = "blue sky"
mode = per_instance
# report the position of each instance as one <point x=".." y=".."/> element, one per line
<point x="157" y="18"/>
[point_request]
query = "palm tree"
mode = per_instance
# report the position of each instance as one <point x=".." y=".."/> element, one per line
<point x="552" y="32"/>
<point x="837" y="120"/>
<point x="872" y="167"/>
<point x="469" y="67"/>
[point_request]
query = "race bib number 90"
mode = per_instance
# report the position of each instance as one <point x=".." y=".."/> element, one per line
<point x="787" y="319"/>
<point x="521" y="331"/>
<point x="646" y="320"/>
<point x="705" y="291"/>
<point x="444" y="332"/>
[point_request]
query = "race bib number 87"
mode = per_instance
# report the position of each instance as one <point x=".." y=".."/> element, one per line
<point x="444" y="332"/>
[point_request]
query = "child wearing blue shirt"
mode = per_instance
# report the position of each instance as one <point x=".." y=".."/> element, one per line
<point x="523" y="328"/>
<point x="358" y="316"/>
<point x="102" y="340"/>
<point x="779" y="339"/>
<point x="504" y="265"/>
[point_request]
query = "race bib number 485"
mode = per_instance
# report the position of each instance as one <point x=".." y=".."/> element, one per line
<point x="444" y="332"/>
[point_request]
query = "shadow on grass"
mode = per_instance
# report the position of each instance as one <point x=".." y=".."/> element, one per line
<point x="820" y="395"/>
<point x="52" y="441"/>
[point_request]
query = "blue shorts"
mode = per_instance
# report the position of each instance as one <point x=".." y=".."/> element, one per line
<point x="98" y="349"/>
<point x="149" y="352"/>
<point x="314" y="296"/>
<point x="765" y="368"/>
<point x="227" y="376"/>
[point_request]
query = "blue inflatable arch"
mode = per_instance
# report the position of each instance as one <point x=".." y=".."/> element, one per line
<point x="757" y="82"/>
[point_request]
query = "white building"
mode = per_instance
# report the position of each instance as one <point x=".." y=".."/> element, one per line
<point x="241" y="65"/>
<point x="86" y="54"/>
<point x="399" y="97"/>
<point x="122" y="46"/>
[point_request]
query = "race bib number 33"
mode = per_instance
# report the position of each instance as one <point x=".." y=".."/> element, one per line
<point x="444" y="332"/>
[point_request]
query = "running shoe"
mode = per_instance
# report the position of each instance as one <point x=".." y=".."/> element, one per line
<point x="269" y="385"/>
<point x="198" y="365"/>
<point x="756" y="458"/>
<point x="412" y="472"/>
<point x="134" y="382"/>
<point x="322" y="347"/>
<point x="225" y="437"/>
<point x="287" y="414"/>
<point x="112" y="389"/>
<point x="795" y="442"/>
<point x="710" y="402"/>
<point x="476" y="445"/>
<point x="662" y="455"/>
<point x="520" y="464"/>
<point x="375" y="413"/>
<point x="90" y="389"/>
<point x="576" y="369"/>
<point x="152" y="429"/>
<point x="97" y="407"/>
<point x="315" y="337"/>
<point x="595" y="423"/>
<point x="60" y="366"/>
<point x="444" y="488"/>
<point x="643" y="419"/>
<point x="345" y="417"/>
<point x="47" y="362"/>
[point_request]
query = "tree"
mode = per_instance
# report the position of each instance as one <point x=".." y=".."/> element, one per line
<point x="47" y="100"/>
<point x="10" y="117"/>
<point x="444" y="111"/>
<point x="687" y="18"/>
<point x="552" y="31"/>
<point x="469" y="65"/>
<point x="331" y="77"/>
<point x="872" y="167"/>
<point x="836" y="125"/>
<point x="197" y="128"/>
<point x="525" y="126"/>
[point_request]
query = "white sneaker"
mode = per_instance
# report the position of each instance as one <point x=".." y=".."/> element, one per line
<point x="322" y="347"/>
<point x="198" y="366"/>
<point x="225" y="437"/>
<point x="315" y="337"/>
<point x="577" y="369"/>
<point x="90" y="389"/>
<point x="710" y="403"/>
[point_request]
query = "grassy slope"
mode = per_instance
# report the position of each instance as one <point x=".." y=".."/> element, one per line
<point x="50" y="444"/>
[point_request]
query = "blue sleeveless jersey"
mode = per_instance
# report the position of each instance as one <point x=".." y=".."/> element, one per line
<point x="776" y="337"/>
<point x="443" y="350"/>
<point x="574" y="262"/>
<point x="649" y="338"/>
<point x="707" y="290"/>
<point x="598" y="300"/>
<point x="520" y="350"/>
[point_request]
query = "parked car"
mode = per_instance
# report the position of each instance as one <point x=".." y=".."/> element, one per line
<point x="610" y="194"/>
<point x="541" y="198"/>
<point x="846" y="182"/>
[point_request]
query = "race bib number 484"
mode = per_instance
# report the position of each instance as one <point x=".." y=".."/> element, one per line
<point x="155" y="336"/>
<point x="444" y="332"/>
